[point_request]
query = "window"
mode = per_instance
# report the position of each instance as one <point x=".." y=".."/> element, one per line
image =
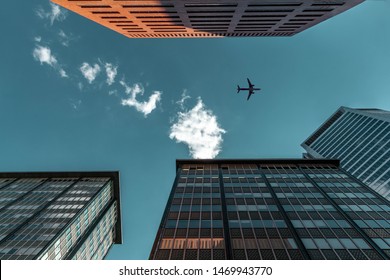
<point x="171" y="224"/>
<point x="68" y="238"/>
<point x="276" y="243"/>
<point x="93" y="209"/>
<point x="175" y="208"/>
<point x="246" y="224"/>
<point x="383" y="223"/>
<point x="308" y="243"/>
<point x="280" y="224"/>
<point x="321" y="243"/>
<point x="343" y="223"/>
<point x="45" y="256"/>
<point x="257" y="224"/>
<point x="86" y="217"/>
<point x="28" y="251"/>
<point x="91" y="245"/>
<point x="290" y="243"/>
<point x="7" y="250"/>
<point x="83" y="252"/>
<point x="217" y="224"/>
<point x="98" y="234"/>
<point x="78" y="227"/>
<point x="57" y="250"/>
<point x="193" y="224"/>
<point x="348" y="244"/>
<point x="308" y="223"/>
<point x="234" y="224"/>
<point x="335" y="243"/>
<point x="372" y="224"/>
<point x="206" y="224"/>
<point x="297" y="223"/>
<point x="360" y="223"/>
<point x="381" y="243"/>
<point x="182" y="224"/>
<point x="361" y="243"/>
<point x="319" y="223"/>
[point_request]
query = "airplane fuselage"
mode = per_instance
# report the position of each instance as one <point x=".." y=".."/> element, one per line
<point x="250" y="89"/>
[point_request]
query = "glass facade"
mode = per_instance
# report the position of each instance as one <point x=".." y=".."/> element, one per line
<point x="360" y="138"/>
<point x="56" y="215"/>
<point x="271" y="209"/>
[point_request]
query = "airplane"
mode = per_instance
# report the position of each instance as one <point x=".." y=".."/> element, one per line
<point x="251" y="89"/>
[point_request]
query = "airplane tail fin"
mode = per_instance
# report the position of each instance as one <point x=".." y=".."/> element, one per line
<point x="238" y="89"/>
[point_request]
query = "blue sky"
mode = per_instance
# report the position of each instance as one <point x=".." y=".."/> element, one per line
<point x="75" y="95"/>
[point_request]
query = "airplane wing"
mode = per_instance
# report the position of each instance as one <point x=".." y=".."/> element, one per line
<point x="249" y="83"/>
<point x="249" y="95"/>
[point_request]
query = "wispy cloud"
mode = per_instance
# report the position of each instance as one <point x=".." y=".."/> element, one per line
<point x="44" y="55"/>
<point x="184" y="97"/>
<point x="64" y="38"/>
<point x="111" y="72"/>
<point x="90" y="72"/>
<point x="145" y="107"/>
<point x="63" y="73"/>
<point x="55" y="13"/>
<point x="75" y="104"/>
<point x="199" y="129"/>
<point x="113" y="92"/>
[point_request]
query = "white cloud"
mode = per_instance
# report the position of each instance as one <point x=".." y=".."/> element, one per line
<point x="145" y="107"/>
<point x="112" y="92"/>
<point x="90" y="72"/>
<point x="44" y="55"/>
<point x="64" y="38"/>
<point x="63" y="73"/>
<point x="38" y="39"/>
<point x="56" y="13"/>
<point x="184" y="97"/>
<point x="199" y="129"/>
<point x="111" y="72"/>
<point x="62" y="34"/>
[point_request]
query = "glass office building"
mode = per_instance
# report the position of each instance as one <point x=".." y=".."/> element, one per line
<point x="360" y="138"/>
<point x="59" y="215"/>
<point x="271" y="209"/>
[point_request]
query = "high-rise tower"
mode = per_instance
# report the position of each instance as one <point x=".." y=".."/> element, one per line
<point x="207" y="18"/>
<point x="360" y="138"/>
<point x="59" y="215"/>
<point x="271" y="209"/>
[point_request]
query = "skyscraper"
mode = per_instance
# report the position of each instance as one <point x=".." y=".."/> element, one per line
<point x="207" y="18"/>
<point x="271" y="209"/>
<point x="360" y="138"/>
<point x="59" y="215"/>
